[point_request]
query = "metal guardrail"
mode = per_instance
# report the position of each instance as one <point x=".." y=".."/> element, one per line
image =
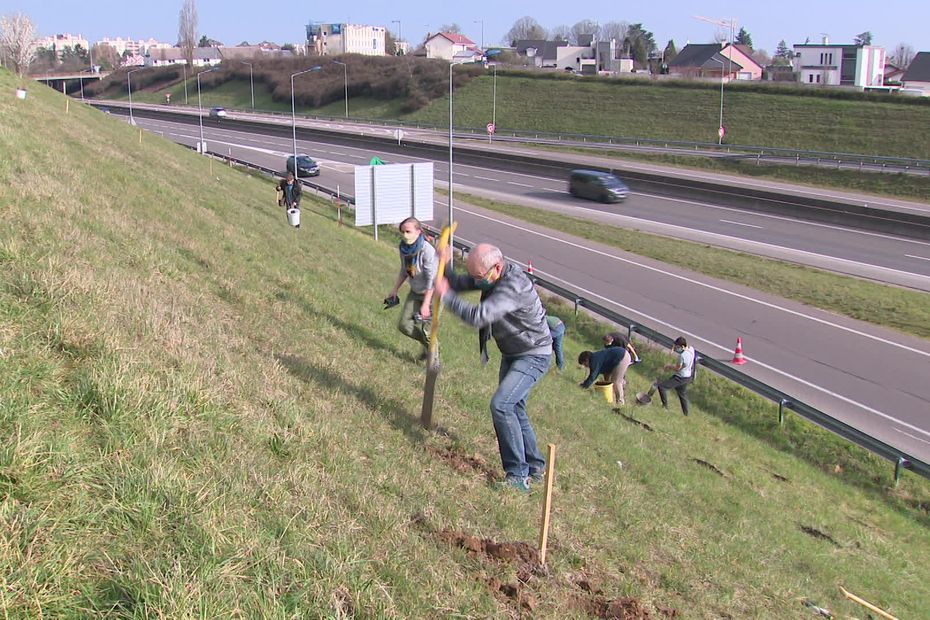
<point x="902" y="461"/>
<point x="881" y="162"/>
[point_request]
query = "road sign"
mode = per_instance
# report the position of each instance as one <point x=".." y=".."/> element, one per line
<point x="491" y="128"/>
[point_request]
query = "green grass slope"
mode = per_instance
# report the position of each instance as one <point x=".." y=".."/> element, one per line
<point x="673" y="113"/>
<point x="207" y="414"/>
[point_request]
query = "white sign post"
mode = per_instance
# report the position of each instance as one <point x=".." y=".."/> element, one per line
<point x="390" y="193"/>
<point x="491" y="128"/>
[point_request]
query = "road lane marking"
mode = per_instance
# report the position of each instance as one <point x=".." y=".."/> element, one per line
<point x="487" y="179"/>
<point x="519" y="184"/>
<point x="741" y="224"/>
<point x="712" y="287"/>
<point x="909" y="435"/>
<point x="918" y="257"/>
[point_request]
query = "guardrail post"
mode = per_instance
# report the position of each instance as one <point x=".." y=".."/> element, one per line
<point x="577" y="304"/>
<point x="629" y="330"/>
<point x="902" y="463"/>
<point x="784" y="402"/>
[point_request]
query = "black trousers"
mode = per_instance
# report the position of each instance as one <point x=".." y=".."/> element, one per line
<point x="680" y="385"/>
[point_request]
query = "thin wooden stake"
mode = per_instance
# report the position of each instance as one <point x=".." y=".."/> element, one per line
<point x="866" y="604"/>
<point x="140" y="136"/>
<point x="547" y="504"/>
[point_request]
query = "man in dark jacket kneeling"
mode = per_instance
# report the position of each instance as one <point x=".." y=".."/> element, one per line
<point x="511" y="311"/>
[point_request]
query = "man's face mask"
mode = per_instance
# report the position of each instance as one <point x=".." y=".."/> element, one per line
<point x="487" y="282"/>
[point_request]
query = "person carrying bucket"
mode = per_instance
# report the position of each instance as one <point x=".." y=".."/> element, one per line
<point x="289" y="192"/>
<point x="611" y="362"/>
<point x="419" y="264"/>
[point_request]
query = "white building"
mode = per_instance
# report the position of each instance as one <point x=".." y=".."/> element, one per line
<point x="203" y="57"/>
<point x="916" y="80"/>
<point x="447" y="45"/>
<point x="61" y="42"/>
<point x="828" y="64"/>
<point x="335" y="39"/>
<point x="138" y="47"/>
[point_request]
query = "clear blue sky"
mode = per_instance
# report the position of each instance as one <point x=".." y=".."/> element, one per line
<point x="232" y="21"/>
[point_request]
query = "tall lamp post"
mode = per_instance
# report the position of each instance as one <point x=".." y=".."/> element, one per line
<point x="345" y="71"/>
<point x="132" y="120"/>
<point x="294" y="113"/>
<point x="451" y="64"/>
<point x="202" y="148"/>
<point x="481" y="21"/>
<point x="251" y="83"/>
<point x="400" y="34"/>
<point x="720" y="126"/>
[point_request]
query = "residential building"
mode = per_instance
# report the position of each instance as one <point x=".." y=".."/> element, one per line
<point x="446" y="45"/>
<point x="893" y="73"/>
<point x="742" y="54"/>
<point x="540" y="52"/>
<point x="335" y="39"/>
<point x="706" y="60"/>
<point x="247" y="52"/>
<point x="828" y="64"/>
<point x="134" y="47"/>
<point x="203" y="57"/>
<point x="916" y="80"/>
<point x="61" y="42"/>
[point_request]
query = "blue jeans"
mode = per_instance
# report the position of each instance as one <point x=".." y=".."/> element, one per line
<point x="516" y="440"/>
<point x="557" y="334"/>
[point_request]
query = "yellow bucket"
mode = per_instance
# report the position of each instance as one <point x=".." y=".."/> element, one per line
<point x="605" y="389"/>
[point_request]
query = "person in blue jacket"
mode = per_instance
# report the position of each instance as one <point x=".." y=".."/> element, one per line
<point x="610" y="362"/>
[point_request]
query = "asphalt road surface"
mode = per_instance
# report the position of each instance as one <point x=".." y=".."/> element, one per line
<point x="873" y="379"/>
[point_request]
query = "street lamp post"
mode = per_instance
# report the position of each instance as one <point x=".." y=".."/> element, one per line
<point x="202" y="148"/>
<point x="294" y="113"/>
<point x="720" y="126"/>
<point x="481" y="21"/>
<point x="345" y="71"/>
<point x="449" y="223"/>
<point x="132" y="120"/>
<point x="400" y="33"/>
<point x="251" y="83"/>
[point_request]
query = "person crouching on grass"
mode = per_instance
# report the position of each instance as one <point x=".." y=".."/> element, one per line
<point x="418" y="263"/>
<point x="611" y="362"/>
<point x="683" y="375"/>
<point x="510" y="310"/>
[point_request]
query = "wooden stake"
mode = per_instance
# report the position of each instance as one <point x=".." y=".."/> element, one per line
<point x="67" y="106"/>
<point x="866" y="604"/>
<point x="547" y="504"/>
<point x="140" y="136"/>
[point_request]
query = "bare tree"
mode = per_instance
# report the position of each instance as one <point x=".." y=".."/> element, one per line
<point x="18" y="41"/>
<point x="452" y="28"/>
<point x="187" y="30"/>
<point x="902" y="55"/>
<point x="561" y="32"/>
<point x="525" y="28"/>
<point x="614" y="31"/>
<point x="585" y="26"/>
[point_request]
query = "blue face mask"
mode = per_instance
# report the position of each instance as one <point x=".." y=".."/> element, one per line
<point x="484" y="284"/>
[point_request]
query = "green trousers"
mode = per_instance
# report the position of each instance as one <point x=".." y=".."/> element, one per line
<point x="418" y="330"/>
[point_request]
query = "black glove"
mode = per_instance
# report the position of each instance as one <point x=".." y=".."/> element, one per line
<point x="390" y="302"/>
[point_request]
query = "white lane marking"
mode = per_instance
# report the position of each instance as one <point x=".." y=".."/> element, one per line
<point x="918" y="257"/>
<point x="487" y="178"/>
<point x="740" y="224"/>
<point x="519" y="184"/>
<point x="461" y="174"/>
<point x="911" y="436"/>
<point x="726" y="349"/>
<point x="705" y="285"/>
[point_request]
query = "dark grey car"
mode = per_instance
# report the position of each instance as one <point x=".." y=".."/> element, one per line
<point x="597" y="185"/>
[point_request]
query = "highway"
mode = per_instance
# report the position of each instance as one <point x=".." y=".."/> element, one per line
<point x="868" y="377"/>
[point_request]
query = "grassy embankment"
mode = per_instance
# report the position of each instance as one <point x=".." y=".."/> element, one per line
<point x="203" y="419"/>
<point x="887" y="306"/>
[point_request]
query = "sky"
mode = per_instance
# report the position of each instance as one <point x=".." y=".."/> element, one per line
<point x="231" y="22"/>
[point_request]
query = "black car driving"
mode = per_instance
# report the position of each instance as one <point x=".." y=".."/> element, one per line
<point x="306" y="167"/>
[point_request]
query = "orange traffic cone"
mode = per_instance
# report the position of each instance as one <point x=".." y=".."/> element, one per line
<point x="529" y="267"/>
<point x="738" y="354"/>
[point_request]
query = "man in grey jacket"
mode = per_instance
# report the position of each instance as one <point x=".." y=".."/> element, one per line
<point x="418" y="263"/>
<point x="511" y="311"/>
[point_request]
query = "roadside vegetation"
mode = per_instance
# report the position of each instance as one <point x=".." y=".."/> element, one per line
<point x="202" y="419"/>
<point x="887" y="306"/>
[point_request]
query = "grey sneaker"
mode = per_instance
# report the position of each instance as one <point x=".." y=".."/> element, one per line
<point x="643" y="398"/>
<point x="512" y="482"/>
